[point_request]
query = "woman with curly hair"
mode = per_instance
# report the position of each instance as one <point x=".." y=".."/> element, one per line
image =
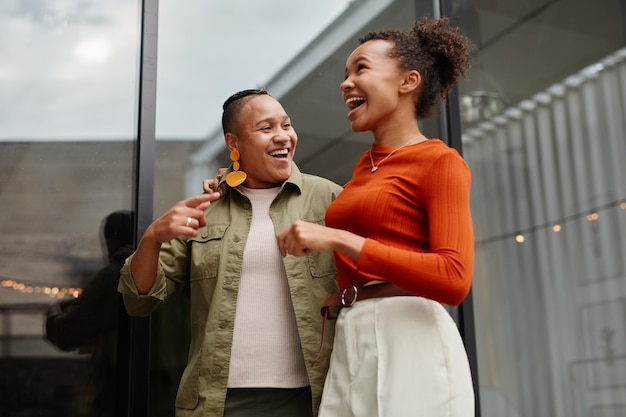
<point x="401" y="232"/>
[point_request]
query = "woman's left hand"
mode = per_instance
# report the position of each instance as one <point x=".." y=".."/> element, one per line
<point x="211" y="186"/>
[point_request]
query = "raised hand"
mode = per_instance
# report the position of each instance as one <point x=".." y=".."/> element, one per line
<point x="183" y="219"/>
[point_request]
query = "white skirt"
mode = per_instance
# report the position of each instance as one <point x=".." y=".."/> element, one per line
<point x="397" y="357"/>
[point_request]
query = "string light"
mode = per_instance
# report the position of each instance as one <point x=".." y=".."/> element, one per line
<point x="556" y="226"/>
<point x="50" y="291"/>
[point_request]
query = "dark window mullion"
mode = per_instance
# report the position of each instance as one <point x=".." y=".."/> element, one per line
<point x="134" y="345"/>
<point x="466" y="309"/>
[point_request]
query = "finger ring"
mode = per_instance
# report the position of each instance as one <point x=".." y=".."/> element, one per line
<point x="219" y="177"/>
<point x="188" y="222"/>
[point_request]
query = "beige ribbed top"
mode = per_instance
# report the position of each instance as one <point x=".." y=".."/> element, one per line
<point x="266" y="349"/>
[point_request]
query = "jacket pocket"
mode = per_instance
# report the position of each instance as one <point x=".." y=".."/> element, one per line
<point x="206" y="249"/>
<point x="322" y="264"/>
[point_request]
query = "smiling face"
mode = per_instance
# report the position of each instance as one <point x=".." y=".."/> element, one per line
<point x="373" y="86"/>
<point x="266" y="142"/>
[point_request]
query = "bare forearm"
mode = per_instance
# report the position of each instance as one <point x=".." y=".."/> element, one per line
<point x="347" y="243"/>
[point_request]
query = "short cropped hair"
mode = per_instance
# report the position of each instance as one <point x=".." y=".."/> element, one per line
<point x="233" y="105"/>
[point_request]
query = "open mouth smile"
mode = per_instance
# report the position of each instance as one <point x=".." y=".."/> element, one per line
<point x="354" y="102"/>
<point x="279" y="153"/>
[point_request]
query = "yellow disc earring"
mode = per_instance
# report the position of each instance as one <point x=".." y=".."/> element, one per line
<point x="235" y="177"/>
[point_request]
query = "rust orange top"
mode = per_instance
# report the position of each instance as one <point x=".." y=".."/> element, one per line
<point x="414" y="212"/>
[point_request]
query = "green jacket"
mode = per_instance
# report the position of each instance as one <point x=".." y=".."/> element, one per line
<point x="211" y="264"/>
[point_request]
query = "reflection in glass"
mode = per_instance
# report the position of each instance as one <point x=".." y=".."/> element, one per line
<point x="88" y="324"/>
<point x="481" y="96"/>
<point x="480" y="93"/>
<point x="67" y="133"/>
<point x="548" y="188"/>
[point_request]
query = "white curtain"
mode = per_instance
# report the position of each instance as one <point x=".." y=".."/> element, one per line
<point x="549" y="208"/>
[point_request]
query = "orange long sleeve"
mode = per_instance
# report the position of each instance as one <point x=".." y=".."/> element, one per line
<point x="414" y="211"/>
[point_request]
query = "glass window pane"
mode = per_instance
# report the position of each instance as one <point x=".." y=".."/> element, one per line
<point x="544" y="118"/>
<point x="206" y="53"/>
<point x="299" y="55"/>
<point x="67" y="139"/>
<point x="297" y="51"/>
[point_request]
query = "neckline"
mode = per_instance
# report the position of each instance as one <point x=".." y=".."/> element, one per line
<point x="387" y="148"/>
<point x="375" y="166"/>
<point x="271" y="191"/>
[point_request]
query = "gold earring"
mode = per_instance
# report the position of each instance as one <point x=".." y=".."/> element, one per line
<point x="236" y="177"/>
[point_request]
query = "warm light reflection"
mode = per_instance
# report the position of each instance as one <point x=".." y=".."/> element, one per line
<point x="52" y="292"/>
<point x="557" y="225"/>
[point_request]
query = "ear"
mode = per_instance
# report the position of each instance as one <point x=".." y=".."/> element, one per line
<point x="231" y="141"/>
<point x="411" y="82"/>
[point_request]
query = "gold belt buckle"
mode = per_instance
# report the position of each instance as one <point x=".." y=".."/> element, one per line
<point x="355" y="294"/>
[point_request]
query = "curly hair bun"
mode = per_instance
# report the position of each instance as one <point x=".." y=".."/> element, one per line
<point x="449" y="49"/>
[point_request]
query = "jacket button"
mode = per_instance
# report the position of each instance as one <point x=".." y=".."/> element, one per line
<point x="223" y="324"/>
<point x="217" y="369"/>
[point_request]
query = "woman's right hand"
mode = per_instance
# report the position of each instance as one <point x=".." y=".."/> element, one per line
<point x="183" y="219"/>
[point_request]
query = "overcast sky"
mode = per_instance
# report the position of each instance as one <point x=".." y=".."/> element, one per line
<point x="68" y="68"/>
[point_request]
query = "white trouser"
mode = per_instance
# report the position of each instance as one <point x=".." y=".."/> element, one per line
<point x="397" y="357"/>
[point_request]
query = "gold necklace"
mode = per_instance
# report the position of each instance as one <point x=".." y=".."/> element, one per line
<point x="375" y="167"/>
